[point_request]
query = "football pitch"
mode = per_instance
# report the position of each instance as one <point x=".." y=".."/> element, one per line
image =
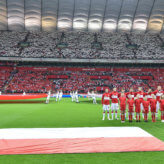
<point x="70" y="114"/>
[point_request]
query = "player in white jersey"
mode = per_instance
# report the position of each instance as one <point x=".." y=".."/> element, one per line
<point x="24" y="93"/>
<point x="57" y="95"/>
<point x="60" y="95"/>
<point x="72" y="96"/>
<point x="93" y="97"/>
<point x="0" y="93"/>
<point x="89" y="95"/>
<point x="48" y="97"/>
<point x="76" y="96"/>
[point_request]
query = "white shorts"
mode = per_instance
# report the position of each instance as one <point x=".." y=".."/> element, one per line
<point x="114" y="106"/>
<point x="142" y="108"/>
<point x="105" y="107"/>
<point x="157" y="106"/>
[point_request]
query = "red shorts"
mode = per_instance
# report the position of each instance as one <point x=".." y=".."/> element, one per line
<point x="138" y="110"/>
<point x="131" y="109"/>
<point x="122" y="107"/>
<point x="153" y="109"/>
<point x="162" y="109"/>
<point x="146" y="111"/>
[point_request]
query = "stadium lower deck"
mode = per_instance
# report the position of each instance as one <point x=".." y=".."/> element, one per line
<point x="34" y="79"/>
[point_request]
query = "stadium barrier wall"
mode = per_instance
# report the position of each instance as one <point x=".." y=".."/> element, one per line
<point x="80" y="60"/>
<point x="22" y="97"/>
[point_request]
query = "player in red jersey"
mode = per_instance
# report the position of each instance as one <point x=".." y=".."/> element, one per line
<point x="122" y="100"/>
<point x="114" y="106"/>
<point x="132" y="93"/>
<point x="158" y="93"/>
<point x="105" y="102"/>
<point x="137" y="103"/>
<point x="162" y="108"/>
<point x="141" y="96"/>
<point x="130" y="103"/>
<point x="146" y="105"/>
<point x="153" y="103"/>
<point x="148" y="94"/>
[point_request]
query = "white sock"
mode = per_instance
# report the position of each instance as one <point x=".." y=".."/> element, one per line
<point x="115" y="114"/>
<point x="112" y="115"/>
<point x="108" y="114"/>
<point x="103" y="115"/>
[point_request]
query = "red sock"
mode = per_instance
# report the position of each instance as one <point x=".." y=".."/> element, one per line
<point x="130" y="117"/>
<point x="154" y="117"/>
<point x="123" y="117"/>
<point x="136" y="116"/>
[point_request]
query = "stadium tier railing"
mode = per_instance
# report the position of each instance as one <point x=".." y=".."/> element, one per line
<point x="65" y="60"/>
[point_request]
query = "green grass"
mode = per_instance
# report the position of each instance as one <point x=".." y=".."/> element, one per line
<point x="68" y="114"/>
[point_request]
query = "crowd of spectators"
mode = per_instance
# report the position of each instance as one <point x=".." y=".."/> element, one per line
<point x="41" y="81"/>
<point x="45" y="45"/>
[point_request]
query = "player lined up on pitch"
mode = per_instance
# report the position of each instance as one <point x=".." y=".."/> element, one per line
<point x="136" y="103"/>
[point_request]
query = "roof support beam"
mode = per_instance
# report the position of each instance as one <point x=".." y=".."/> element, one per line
<point x="119" y="15"/>
<point x="150" y="16"/>
<point x="57" y="16"/>
<point x="104" y="15"/>
<point x="7" y="26"/>
<point x="134" y="15"/>
<point x="89" y="14"/>
<point x="73" y="13"/>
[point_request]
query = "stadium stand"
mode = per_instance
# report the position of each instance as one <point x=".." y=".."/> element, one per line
<point x="42" y="79"/>
<point x="114" y="45"/>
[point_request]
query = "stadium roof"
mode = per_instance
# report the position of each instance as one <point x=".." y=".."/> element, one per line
<point x="92" y="15"/>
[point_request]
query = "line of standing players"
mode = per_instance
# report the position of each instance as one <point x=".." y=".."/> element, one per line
<point x="137" y="102"/>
